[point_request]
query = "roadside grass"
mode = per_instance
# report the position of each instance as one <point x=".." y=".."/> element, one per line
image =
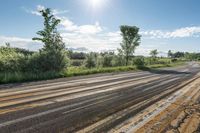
<point x="77" y="71"/>
<point x="13" y="77"/>
<point x="179" y="63"/>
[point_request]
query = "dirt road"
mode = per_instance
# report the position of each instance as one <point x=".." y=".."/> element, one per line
<point x="97" y="103"/>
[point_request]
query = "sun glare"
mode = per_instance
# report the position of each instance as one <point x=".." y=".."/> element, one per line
<point x="96" y="3"/>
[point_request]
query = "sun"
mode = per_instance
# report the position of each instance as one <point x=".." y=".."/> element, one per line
<point x="96" y="6"/>
<point x="96" y="3"/>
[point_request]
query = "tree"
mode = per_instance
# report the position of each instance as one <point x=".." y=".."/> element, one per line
<point x="107" y="60"/>
<point x="77" y="55"/>
<point x="131" y="39"/>
<point x="179" y="54"/>
<point x="53" y="55"/>
<point x="90" y="60"/>
<point x="154" y="53"/>
<point x="170" y="54"/>
<point x="7" y="44"/>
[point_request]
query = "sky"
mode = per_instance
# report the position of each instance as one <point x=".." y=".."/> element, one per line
<point x="93" y="25"/>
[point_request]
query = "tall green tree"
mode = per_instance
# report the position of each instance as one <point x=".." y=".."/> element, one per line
<point x="53" y="55"/>
<point x="131" y="39"/>
<point x="154" y="53"/>
<point x="170" y="54"/>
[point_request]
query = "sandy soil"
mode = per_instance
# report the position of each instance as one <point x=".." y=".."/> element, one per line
<point x="176" y="114"/>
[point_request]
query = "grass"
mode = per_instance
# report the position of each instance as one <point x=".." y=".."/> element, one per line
<point x="77" y="71"/>
<point x="14" y="77"/>
<point x="74" y="71"/>
<point x="179" y="63"/>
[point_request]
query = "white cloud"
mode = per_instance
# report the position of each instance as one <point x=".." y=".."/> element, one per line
<point x="185" y="32"/>
<point x="83" y="29"/>
<point x="90" y="29"/>
<point x="57" y="12"/>
<point x="41" y="7"/>
<point x="93" y="42"/>
<point x="177" y="33"/>
<point x="34" y="12"/>
<point x="93" y="36"/>
<point x="14" y="39"/>
<point x="25" y="43"/>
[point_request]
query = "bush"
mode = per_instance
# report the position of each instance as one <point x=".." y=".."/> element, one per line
<point x="52" y="61"/>
<point x="118" y="60"/>
<point x="99" y="62"/>
<point x="107" y="60"/>
<point x="76" y="55"/>
<point x="76" y="62"/>
<point x="11" y="60"/>
<point x="174" y="60"/>
<point x="90" y="61"/>
<point x="139" y="62"/>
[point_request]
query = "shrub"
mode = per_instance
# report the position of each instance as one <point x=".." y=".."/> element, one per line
<point x="99" y="62"/>
<point x="90" y="61"/>
<point x="174" y="60"/>
<point x="107" y="60"/>
<point x="139" y="62"/>
<point x="76" y="62"/>
<point x="11" y="60"/>
<point x="118" y="60"/>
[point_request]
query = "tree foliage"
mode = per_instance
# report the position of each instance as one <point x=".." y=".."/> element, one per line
<point x="90" y="61"/>
<point x="53" y="55"/>
<point x="13" y="59"/>
<point x="76" y="55"/>
<point x="131" y="39"/>
<point x="107" y="60"/>
<point x="179" y="54"/>
<point x="139" y="62"/>
<point x="154" y="53"/>
<point x="170" y="54"/>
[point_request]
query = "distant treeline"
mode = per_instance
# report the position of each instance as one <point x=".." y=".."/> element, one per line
<point x="186" y="55"/>
<point x="18" y="59"/>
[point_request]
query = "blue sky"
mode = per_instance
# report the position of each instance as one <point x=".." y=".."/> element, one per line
<point x="94" y="24"/>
